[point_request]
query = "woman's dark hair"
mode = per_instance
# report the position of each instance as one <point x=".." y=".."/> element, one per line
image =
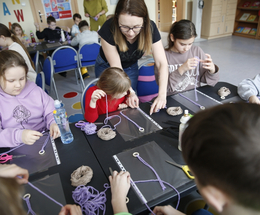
<point x="134" y="8"/>
<point x="7" y="33"/>
<point x="183" y="29"/>
<point x="221" y="146"/>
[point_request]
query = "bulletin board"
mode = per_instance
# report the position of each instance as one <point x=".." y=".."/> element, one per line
<point x="59" y="9"/>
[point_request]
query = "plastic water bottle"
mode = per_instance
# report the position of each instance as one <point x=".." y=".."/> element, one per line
<point x="32" y="37"/>
<point x="62" y="36"/>
<point x="184" y="119"/>
<point x="61" y="119"/>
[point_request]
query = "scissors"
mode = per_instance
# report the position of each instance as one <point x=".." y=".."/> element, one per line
<point x="185" y="168"/>
<point x="5" y="157"/>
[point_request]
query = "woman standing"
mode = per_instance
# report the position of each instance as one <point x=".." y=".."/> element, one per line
<point x="95" y="10"/>
<point x="124" y="40"/>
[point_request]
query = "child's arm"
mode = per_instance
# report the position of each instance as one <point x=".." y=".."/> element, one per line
<point x="166" y="210"/>
<point x="91" y="111"/>
<point x="12" y="171"/>
<point x="75" y="41"/>
<point x="120" y="184"/>
<point x="30" y="136"/>
<point x="249" y="87"/>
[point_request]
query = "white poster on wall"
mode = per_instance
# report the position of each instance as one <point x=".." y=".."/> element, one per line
<point x="59" y="9"/>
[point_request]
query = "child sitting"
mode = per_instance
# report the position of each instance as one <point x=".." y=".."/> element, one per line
<point x="113" y="84"/>
<point x="7" y="39"/>
<point x="86" y="36"/>
<point x="51" y="33"/>
<point x="19" y="33"/>
<point x="221" y="148"/>
<point x="182" y="62"/>
<point x="75" y="27"/>
<point x="25" y="109"/>
<point x="249" y="89"/>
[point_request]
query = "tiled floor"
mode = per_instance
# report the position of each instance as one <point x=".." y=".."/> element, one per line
<point x="237" y="57"/>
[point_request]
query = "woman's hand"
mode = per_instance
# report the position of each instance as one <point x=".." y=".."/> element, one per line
<point x="97" y="94"/>
<point x="166" y="210"/>
<point x="86" y="15"/>
<point x="190" y="64"/>
<point x="159" y="103"/>
<point x="208" y="64"/>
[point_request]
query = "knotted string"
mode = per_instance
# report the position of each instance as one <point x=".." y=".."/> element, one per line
<point x="90" y="199"/>
<point x="197" y="104"/>
<point x="12" y="149"/>
<point x="146" y="164"/>
<point x="26" y="198"/>
<point x="88" y="128"/>
<point x="139" y="127"/>
<point x="196" y="81"/>
<point x="42" y="151"/>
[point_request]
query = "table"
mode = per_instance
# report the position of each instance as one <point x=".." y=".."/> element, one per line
<point x="96" y="153"/>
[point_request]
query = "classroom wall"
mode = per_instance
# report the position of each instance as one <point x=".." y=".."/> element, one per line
<point x="20" y="11"/>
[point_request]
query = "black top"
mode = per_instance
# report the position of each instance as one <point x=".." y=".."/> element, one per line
<point x="131" y="56"/>
<point x="49" y="34"/>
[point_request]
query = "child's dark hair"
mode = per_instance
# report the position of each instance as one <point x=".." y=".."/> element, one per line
<point x="82" y="24"/>
<point x="221" y="146"/>
<point x="76" y="15"/>
<point x="50" y="19"/>
<point x="10" y="58"/>
<point x="114" y="81"/>
<point x="7" y="33"/>
<point x="183" y="29"/>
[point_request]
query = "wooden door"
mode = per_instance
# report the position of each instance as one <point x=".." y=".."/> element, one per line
<point x="37" y="5"/>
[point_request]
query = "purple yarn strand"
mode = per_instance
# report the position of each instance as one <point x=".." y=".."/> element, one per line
<point x="89" y="128"/>
<point x="197" y="74"/>
<point x="130" y="120"/>
<point x="45" y="142"/>
<point x="30" y="210"/>
<point x="197" y="104"/>
<point x="157" y="176"/>
<point x="12" y="149"/>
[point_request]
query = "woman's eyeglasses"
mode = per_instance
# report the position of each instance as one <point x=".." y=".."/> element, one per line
<point x="127" y="29"/>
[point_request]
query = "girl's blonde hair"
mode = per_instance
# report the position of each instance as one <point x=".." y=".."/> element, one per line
<point x="14" y="25"/>
<point x="114" y="81"/>
<point x="133" y="8"/>
<point x="7" y="33"/>
<point x="10" y="197"/>
<point x="11" y="58"/>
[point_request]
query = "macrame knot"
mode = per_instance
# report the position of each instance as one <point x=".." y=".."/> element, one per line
<point x="223" y="92"/>
<point x="106" y="133"/>
<point x="81" y="176"/>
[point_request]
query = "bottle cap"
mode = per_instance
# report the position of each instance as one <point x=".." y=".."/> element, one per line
<point x="54" y="112"/>
<point x="186" y="112"/>
<point x="57" y="104"/>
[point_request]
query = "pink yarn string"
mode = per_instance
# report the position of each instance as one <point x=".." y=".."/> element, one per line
<point x="30" y="210"/>
<point x="90" y="199"/>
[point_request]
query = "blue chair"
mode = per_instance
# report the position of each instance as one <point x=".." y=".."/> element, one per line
<point x="40" y="80"/>
<point x="147" y="87"/>
<point x="64" y="59"/>
<point x="48" y="73"/>
<point x="82" y="99"/>
<point x="37" y="62"/>
<point x="87" y="54"/>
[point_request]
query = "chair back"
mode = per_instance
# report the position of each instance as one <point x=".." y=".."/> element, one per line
<point x="147" y="87"/>
<point x="87" y="54"/>
<point x="64" y="58"/>
<point x="82" y="100"/>
<point x="36" y="61"/>
<point x="40" y="80"/>
<point x="48" y="70"/>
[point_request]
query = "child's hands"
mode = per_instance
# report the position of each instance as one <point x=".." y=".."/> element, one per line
<point x="208" y="64"/>
<point x="12" y="171"/>
<point x="190" y="64"/>
<point x="70" y="210"/>
<point x="30" y="136"/>
<point x="120" y="184"/>
<point x="54" y="130"/>
<point x="166" y="210"/>
<point x="122" y="106"/>
<point x="254" y="99"/>
<point x="97" y="94"/>
<point x="37" y="26"/>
